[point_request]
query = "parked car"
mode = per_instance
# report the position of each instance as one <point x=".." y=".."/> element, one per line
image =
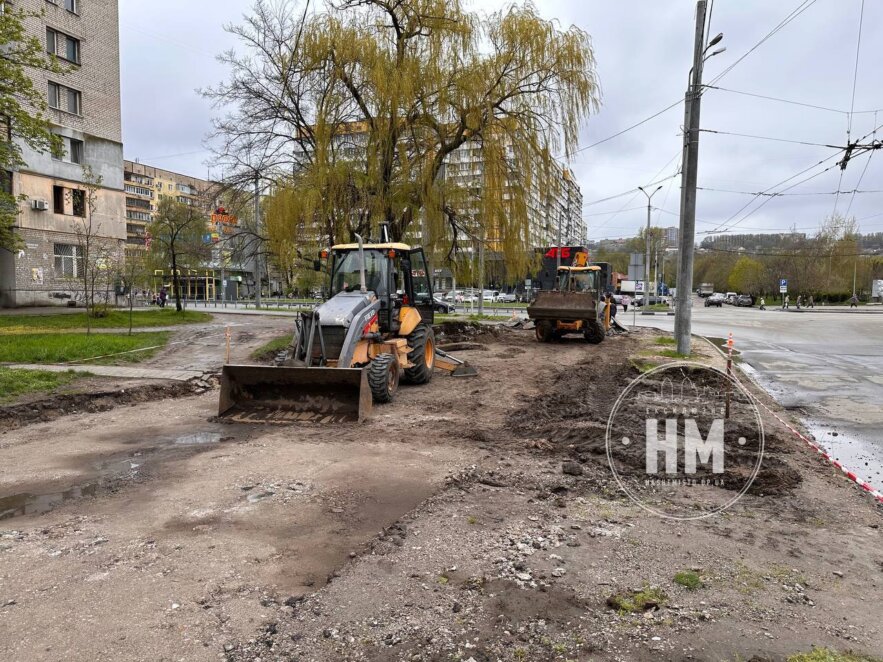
<point x="744" y="301"/>
<point x="730" y="297"/>
<point x="638" y="301"/>
<point x="441" y="306"/>
<point x="716" y="299"/>
<point x="507" y="297"/>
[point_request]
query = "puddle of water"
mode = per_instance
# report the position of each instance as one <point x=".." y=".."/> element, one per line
<point x="18" y="505"/>
<point x="198" y="439"/>
<point x="25" y="503"/>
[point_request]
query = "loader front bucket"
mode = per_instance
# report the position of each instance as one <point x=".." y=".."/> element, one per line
<point x="266" y="394"/>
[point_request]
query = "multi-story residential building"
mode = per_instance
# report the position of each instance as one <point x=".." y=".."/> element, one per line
<point x="221" y="277"/>
<point x="560" y="205"/>
<point x="84" y="108"/>
<point x="146" y="185"/>
<point x="671" y="235"/>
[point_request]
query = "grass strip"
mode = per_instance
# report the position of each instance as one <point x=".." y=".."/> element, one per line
<point x="66" y="347"/>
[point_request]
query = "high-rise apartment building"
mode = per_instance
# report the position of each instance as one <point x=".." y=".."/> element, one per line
<point x="550" y="212"/>
<point x="146" y="185"/>
<point x="84" y="108"/>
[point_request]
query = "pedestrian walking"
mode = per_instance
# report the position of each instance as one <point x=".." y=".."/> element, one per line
<point x="163" y="295"/>
<point x="626" y="300"/>
<point x="812" y="303"/>
<point x="785" y="302"/>
<point x="799" y="299"/>
<point x="853" y="302"/>
<point x="762" y="303"/>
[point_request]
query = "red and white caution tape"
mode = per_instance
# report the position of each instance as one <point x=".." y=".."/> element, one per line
<point x="867" y="487"/>
<point x="878" y="496"/>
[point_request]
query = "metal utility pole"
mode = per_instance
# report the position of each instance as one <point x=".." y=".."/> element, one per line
<point x="689" y="171"/>
<point x="481" y="272"/>
<point x="656" y="273"/>
<point x="645" y="309"/>
<point x="854" y="272"/>
<point x="257" y="230"/>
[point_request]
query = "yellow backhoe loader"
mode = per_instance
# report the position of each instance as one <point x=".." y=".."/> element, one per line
<point x="570" y="308"/>
<point x="353" y="349"/>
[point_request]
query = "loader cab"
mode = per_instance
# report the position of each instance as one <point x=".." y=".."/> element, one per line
<point x="396" y="273"/>
<point x="579" y="279"/>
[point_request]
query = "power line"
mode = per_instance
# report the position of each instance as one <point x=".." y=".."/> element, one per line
<point x="605" y="213"/>
<point x="758" y="193"/>
<point x="739" y="251"/>
<point x="627" y="129"/>
<point x="788" y="101"/>
<point x="635" y="192"/>
<point x="631" y="191"/>
<point x="861" y="177"/>
<point x="805" y="170"/>
<point x="780" y="140"/>
<point x="797" y="11"/>
<point x="858" y="46"/>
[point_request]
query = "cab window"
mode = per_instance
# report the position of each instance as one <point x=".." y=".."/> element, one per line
<point x="346" y="272"/>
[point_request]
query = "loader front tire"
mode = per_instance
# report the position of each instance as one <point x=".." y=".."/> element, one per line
<point x="422" y="355"/>
<point x="544" y="331"/>
<point x="594" y="332"/>
<point x="383" y="377"/>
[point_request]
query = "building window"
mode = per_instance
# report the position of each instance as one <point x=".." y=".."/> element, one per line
<point x="72" y="151"/>
<point x="73" y="6"/>
<point x="72" y="98"/>
<point x="62" y="45"/>
<point x="78" y="197"/>
<point x="68" y="260"/>
<point x="74" y="102"/>
<point x="54" y="95"/>
<point x="5" y="179"/>
<point x="58" y="199"/>
<point x="138" y="190"/>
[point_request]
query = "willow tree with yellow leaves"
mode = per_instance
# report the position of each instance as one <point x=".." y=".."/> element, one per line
<point x="352" y="114"/>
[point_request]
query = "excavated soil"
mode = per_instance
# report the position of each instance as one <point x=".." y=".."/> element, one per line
<point x="442" y="528"/>
<point x="104" y="396"/>
<point x="571" y="419"/>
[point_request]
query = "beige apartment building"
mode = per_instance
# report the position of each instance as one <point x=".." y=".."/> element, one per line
<point x="84" y="108"/>
<point x="146" y="185"/>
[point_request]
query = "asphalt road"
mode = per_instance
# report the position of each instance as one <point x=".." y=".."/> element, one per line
<point x="827" y="367"/>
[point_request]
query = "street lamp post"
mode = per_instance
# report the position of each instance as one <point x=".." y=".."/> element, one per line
<point x="646" y="306"/>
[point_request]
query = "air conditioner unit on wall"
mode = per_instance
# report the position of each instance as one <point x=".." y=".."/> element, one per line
<point x="40" y="205"/>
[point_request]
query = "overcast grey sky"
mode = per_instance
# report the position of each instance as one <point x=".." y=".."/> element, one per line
<point x="643" y="49"/>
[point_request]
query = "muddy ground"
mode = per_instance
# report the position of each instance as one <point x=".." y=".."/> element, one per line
<point x="443" y="528"/>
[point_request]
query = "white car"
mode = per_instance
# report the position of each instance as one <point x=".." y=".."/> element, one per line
<point x="507" y="297"/>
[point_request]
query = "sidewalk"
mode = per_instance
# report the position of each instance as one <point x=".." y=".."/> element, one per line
<point x="862" y="310"/>
<point x="114" y="371"/>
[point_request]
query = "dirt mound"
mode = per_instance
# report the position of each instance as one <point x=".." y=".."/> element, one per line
<point x="451" y="332"/>
<point x="571" y="418"/>
<point x="51" y="408"/>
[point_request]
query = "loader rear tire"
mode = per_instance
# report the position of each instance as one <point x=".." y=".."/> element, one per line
<point x="383" y="377"/>
<point x="422" y="355"/>
<point x="594" y="332"/>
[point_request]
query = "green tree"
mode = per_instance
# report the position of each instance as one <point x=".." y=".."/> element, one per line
<point x="748" y="276"/>
<point x="352" y="112"/>
<point x="177" y="239"/>
<point x="22" y="109"/>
